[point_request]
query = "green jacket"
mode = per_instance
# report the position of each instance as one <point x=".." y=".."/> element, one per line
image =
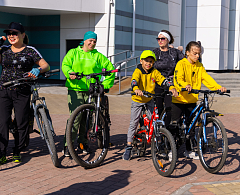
<point x="77" y="60"/>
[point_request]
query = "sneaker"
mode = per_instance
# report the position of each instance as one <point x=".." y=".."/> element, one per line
<point x="127" y="153"/>
<point x="3" y="160"/>
<point x="16" y="157"/>
<point x="65" y="151"/>
<point x="170" y="156"/>
<point x="84" y="148"/>
<point x="190" y="154"/>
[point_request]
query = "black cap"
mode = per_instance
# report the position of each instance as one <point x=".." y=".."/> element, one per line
<point x="14" y="26"/>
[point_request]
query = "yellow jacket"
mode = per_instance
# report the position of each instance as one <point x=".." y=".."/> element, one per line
<point x="145" y="82"/>
<point x="191" y="74"/>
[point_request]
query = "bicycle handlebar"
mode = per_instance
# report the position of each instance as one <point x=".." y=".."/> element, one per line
<point x="93" y="75"/>
<point x="148" y="94"/>
<point x="25" y="79"/>
<point x="206" y="91"/>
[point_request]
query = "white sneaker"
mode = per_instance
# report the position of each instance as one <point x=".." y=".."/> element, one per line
<point x="170" y="156"/>
<point x="190" y="154"/>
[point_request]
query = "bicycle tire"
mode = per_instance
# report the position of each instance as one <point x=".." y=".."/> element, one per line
<point x="47" y="133"/>
<point x="162" y="144"/>
<point x="214" y="163"/>
<point x="98" y="151"/>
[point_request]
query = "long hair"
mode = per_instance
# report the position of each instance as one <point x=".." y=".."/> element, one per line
<point x="25" y="39"/>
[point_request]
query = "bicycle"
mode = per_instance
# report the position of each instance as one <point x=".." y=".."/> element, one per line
<point x="95" y="115"/>
<point x="40" y="112"/>
<point x="211" y="141"/>
<point x="163" y="147"/>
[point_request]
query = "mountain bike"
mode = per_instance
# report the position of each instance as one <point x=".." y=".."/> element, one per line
<point x="152" y="131"/>
<point x="211" y="141"/>
<point x="39" y="110"/>
<point x="94" y="118"/>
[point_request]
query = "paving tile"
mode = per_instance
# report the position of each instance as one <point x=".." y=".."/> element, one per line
<point x="116" y="176"/>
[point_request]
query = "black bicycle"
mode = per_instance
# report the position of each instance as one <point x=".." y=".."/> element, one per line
<point x="39" y="110"/>
<point x="211" y="141"/>
<point x="94" y="119"/>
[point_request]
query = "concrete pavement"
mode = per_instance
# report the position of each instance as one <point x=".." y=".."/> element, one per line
<point x="37" y="175"/>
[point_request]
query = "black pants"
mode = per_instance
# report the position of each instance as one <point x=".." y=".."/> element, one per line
<point x="167" y="100"/>
<point x="177" y="110"/>
<point x="20" y="101"/>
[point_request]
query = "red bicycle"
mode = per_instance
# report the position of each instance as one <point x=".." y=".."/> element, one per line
<point x="152" y="131"/>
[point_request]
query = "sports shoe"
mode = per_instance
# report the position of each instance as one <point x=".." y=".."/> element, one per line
<point x="3" y="159"/>
<point x="127" y="153"/>
<point x="65" y="151"/>
<point x="190" y="154"/>
<point x="84" y="148"/>
<point x="16" y="157"/>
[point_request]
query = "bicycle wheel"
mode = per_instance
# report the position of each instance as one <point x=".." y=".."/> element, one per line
<point x="97" y="142"/>
<point x="213" y="153"/>
<point x="164" y="152"/>
<point x="47" y="133"/>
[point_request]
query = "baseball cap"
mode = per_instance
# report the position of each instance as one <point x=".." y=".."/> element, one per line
<point x="147" y="53"/>
<point x="14" y="26"/>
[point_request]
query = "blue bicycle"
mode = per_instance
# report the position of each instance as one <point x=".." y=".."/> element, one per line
<point x="211" y="141"/>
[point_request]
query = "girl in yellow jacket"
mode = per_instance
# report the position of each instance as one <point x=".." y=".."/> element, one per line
<point x="190" y="74"/>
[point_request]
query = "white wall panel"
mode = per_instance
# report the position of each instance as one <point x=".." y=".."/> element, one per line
<point x="210" y="59"/>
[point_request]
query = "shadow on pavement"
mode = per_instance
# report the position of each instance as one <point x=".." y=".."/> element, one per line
<point x="110" y="184"/>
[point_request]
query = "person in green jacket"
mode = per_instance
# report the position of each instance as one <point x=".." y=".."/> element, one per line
<point x="83" y="59"/>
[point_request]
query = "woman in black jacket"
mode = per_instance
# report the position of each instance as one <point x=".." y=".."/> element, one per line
<point x="166" y="60"/>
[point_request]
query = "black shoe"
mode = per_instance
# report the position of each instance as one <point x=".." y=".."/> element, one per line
<point x="16" y="157"/>
<point x="84" y="148"/>
<point x="65" y="151"/>
<point x="127" y="153"/>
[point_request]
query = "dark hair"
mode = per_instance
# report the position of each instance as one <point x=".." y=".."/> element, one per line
<point x="190" y="45"/>
<point x="25" y="39"/>
<point x="172" y="39"/>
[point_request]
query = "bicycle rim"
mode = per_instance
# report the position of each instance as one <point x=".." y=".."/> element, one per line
<point x="164" y="153"/>
<point x="45" y="126"/>
<point x="213" y="153"/>
<point x="97" y="143"/>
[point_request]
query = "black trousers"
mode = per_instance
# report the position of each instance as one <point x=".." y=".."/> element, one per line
<point x="167" y="100"/>
<point x="20" y="101"/>
<point x="177" y="110"/>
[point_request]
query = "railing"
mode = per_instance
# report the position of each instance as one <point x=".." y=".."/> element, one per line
<point x="126" y="51"/>
<point x="122" y="66"/>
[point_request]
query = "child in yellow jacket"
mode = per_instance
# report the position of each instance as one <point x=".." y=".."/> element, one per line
<point x="143" y="79"/>
<point x="190" y="74"/>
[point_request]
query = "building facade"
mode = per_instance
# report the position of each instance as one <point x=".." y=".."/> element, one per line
<point x="55" y="26"/>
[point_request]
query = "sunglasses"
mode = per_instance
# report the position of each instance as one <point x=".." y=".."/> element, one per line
<point x="162" y="39"/>
<point x="14" y="33"/>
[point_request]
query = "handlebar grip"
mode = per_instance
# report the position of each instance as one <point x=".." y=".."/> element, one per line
<point x="183" y="89"/>
<point x="228" y="91"/>
<point x="116" y="70"/>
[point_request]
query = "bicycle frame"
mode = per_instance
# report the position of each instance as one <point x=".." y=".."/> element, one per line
<point x="35" y="97"/>
<point x="201" y="108"/>
<point x="151" y="124"/>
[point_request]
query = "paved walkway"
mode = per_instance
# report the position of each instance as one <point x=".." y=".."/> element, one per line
<point x="37" y="175"/>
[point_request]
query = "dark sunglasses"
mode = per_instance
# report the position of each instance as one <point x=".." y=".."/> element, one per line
<point x="162" y="39"/>
<point x="14" y="33"/>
